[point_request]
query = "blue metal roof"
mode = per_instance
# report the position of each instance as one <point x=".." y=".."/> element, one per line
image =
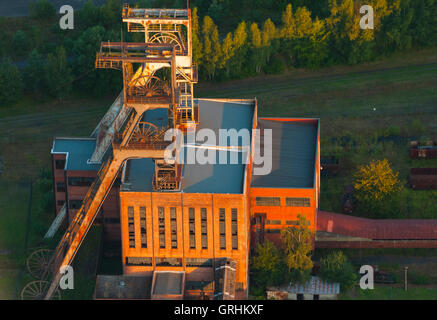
<point x="203" y="178"/>
<point x="158" y="117"/>
<point x="294" y="152"/>
<point x="78" y="151"/>
<point x="139" y="175"/>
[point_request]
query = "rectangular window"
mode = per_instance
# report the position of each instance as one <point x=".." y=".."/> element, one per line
<point x="297" y="202"/>
<point x="234" y="225"/>
<point x="131" y="226"/>
<point x="204" y="229"/>
<point x="222" y="228"/>
<point x="296" y="222"/>
<point x="273" y="222"/>
<point x="143" y="227"/>
<point x="74" y="204"/>
<point x="80" y="181"/>
<point x="60" y="186"/>
<point x="268" y="201"/>
<point x="168" y="262"/>
<point x="273" y="230"/>
<point x="292" y="222"/>
<point x="138" y="261"/>
<point x="173" y="226"/>
<point x="192" y="227"/>
<point x="61" y="202"/>
<point x="161" y="224"/>
<point x="198" y="262"/>
<point x="60" y="164"/>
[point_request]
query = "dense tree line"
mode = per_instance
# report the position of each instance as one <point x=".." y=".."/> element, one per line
<point x="305" y="40"/>
<point x="231" y="39"/>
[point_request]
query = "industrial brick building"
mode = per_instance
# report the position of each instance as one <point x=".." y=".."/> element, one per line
<point x="220" y="209"/>
<point x="185" y="229"/>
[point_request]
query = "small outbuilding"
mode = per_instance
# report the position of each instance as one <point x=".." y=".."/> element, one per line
<point x="314" y="289"/>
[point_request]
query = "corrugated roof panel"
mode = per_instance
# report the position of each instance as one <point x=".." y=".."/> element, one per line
<point x="315" y="286"/>
<point x="377" y="229"/>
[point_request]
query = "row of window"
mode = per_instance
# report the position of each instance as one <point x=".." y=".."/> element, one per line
<point x="169" y="262"/>
<point x="79" y="182"/>
<point x="276" y="202"/>
<point x="74" y="181"/>
<point x="287" y="222"/>
<point x="191" y="227"/>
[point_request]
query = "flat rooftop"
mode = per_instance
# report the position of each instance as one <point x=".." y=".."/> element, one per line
<point x="123" y="287"/>
<point x="78" y="151"/>
<point x="201" y="178"/>
<point x="294" y="152"/>
<point x="168" y="283"/>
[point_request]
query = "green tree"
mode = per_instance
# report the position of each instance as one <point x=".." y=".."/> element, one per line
<point x="336" y="268"/>
<point x="395" y="30"/>
<point x="111" y="14"/>
<point x="344" y="26"/>
<point x="20" y="43"/>
<point x="240" y="35"/>
<point x="195" y="35"/>
<point x="239" y="48"/>
<point x="268" y="265"/>
<point x="37" y="37"/>
<point x="42" y="10"/>
<point x="376" y="181"/>
<point x="304" y="23"/>
<point x="288" y="23"/>
<point x="311" y="46"/>
<point x="268" y="39"/>
<point x="33" y="74"/>
<point x="11" y="84"/>
<point x="211" y="47"/>
<point x="298" y="245"/>
<point x="255" y="36"/>
<point x="257" y="51"/>
<point x="58" y="77"/>
<point x="96" y="82"/>
<point x="227" y="53"/>
<point x="89" y="15"/>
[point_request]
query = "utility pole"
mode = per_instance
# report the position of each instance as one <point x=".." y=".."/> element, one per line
<point x="406" y="279"/>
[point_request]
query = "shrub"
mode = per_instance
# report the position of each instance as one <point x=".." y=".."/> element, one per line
<point x="376" y="181"/>
<point x="268" y="265"/>
<point x="20" y="43"/>
<point x="418" y="127"/>
<point x="276" y="66"/>
<point x="392" y="131"/>
<point x="420" y="279"/>
<point x="42" y="10"/>
<point x="11" y="84"/>
<point x="336" y="268"/>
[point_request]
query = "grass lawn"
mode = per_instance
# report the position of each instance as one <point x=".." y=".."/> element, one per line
<point x="402" y="89"/>
<point x="397" y="293"/>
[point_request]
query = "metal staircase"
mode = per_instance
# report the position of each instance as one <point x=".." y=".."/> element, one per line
<point x="124" y="128"/>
